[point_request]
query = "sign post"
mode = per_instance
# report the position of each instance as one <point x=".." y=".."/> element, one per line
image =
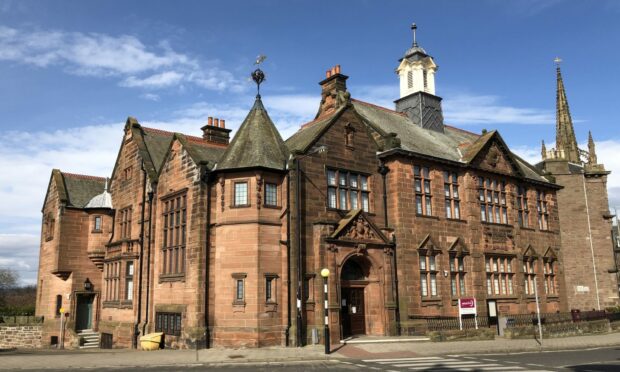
<point x="467" y="306"/>
<point x="61" y="340"/>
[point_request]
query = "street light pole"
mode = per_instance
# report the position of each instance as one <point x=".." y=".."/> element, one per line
<point x="325" y="275"/>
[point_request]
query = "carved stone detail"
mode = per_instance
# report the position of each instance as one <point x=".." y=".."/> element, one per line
<point x="222" y="182"/>
<point x="360" y="230"/>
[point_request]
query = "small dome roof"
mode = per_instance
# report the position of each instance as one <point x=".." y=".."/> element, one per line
<point x="103" y="200"/>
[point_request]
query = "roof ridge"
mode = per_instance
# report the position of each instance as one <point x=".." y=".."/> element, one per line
<point x="83" y="176"/>
<point x="379" y="107"/>
<point x="203" y="142"/>
<point x="461" y="130"/>
<point x="157" y="131"/>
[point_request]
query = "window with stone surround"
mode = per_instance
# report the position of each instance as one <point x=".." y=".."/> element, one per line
<point x="428" y="273"/>
<point x="500" y="275"/>
<point x="239" y="288"/>
<point x="129" y="280"/>
<point x="348" y="190"/>
<point x="451" y="193"/>
<point x="97" y="224"/>
<point x="127" y="173"/>
<point x="169" y="323"/>
<point x="271" y="194"/>
<point x="174" y="235"/>
<point x="549" y="271"/>
<point x="523" y="211"/>
<point x="125" y="222"/>
<point x="422" y="188"/>
<point x="271" y="287"/>
<point x="541" y="208"/>
<point x="492" y="199"/>
<point x="457" y="275"/>
<point x="58" y="306"/>
<point x="240" y="197"/>
<point x="529" y="275"/>
<point x="112" y="280"/>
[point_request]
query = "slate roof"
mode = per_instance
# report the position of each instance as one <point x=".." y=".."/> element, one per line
<point x="453" y="144"/>
<point x="78" y="189"/>
<point x="257" y="143"/>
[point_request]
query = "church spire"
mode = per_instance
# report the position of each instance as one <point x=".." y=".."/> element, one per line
<point x="565" y="140"/>
<point x="543" y="151"/>
<point x="592" y="160"/>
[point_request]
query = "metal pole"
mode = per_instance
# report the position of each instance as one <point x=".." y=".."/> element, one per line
<point x="326" y="330"/>
<point x="62" y="329"/>
<point x="540" y="332"/>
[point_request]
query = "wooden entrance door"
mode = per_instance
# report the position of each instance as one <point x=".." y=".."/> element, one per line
<point x="84" y="312"/>
<point x="353" y="314"/>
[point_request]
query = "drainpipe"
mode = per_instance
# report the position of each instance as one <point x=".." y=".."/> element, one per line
<point x="206" y="178"/>
<point x="288" y="257"/>
<point x="148" y="262"/>
<point x="384" y="170"/>
<point x="142" y="212"/>
<point x="585" y="193"/>
<point x="299" y="254"/>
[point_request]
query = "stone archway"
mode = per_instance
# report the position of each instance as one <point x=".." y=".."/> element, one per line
<point x="358" y="300"/>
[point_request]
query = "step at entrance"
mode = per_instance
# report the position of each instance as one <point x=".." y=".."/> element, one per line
<point x="90" y="337"/>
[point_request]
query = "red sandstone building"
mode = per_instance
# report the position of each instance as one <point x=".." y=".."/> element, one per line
<point x="220" y="241"/>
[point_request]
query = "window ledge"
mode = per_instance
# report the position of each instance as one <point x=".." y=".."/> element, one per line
<point x="269" y="206"/>
<point x="496" y="224"/>
<point x="171" y="278"/>
<point x="240" y="206"/>
<point x="427" y="216"/>
<point x="459" y="220"/>
<point x="96" y="231"/>
<point x="431" y="300"/>
<point x="111" y="304"/>
<point x="527" y="228"/>
<point x="502" y="297"/>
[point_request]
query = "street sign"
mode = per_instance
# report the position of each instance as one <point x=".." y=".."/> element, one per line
<point x="467" y="306"/>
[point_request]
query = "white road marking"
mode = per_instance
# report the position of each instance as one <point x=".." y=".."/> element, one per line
<point x="468" y="367"/>
<point x="399" y="359"/>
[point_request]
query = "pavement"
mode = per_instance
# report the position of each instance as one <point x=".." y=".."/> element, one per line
<point x="343" y="354"/>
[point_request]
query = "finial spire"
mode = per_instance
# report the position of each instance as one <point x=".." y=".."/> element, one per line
<point x="565" y="141"/>
<point x="543" y="150"/>
<point x="592" y="160"/>
<point x="258" y="75"/>
<point x="414" y="27"/>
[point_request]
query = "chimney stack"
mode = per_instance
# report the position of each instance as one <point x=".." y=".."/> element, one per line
<point x="333" y="90"/>
<point x="215" y="131"/>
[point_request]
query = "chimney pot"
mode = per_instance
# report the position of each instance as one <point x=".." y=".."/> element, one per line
<point x="328" y="73"/>
<point x="222" y="123"/>
<point x="337" y="69"/>
<point x="334" y="70"/>
<point x="210" y="122"/>
<point x="216" y="122"/>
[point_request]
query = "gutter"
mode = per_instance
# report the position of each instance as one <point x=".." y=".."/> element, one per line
<point x="288" y="259"/>
<point x="299" y="254"/>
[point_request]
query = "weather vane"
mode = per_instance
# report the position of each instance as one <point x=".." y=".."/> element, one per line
<point x="557" y="61"/>
<point x="258" y="75"/>
<point x="414" y="27"/>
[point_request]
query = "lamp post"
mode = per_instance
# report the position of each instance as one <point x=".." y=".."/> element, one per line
<point x="300" y="292"/>
<point x="325" y="275"/>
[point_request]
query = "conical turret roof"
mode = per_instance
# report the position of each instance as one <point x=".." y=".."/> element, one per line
<point x="257" y="143"/>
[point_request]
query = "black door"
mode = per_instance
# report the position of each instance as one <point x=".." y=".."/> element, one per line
<point x="84" y="312"/>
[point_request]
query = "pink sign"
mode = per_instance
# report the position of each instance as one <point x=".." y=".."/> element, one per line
<point x="467" y="303"/>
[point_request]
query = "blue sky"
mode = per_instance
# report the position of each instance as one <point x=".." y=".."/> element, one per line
<point x="72" y="71"/>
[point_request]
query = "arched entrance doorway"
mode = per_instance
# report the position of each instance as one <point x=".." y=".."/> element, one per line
<point x="353" y="281"/>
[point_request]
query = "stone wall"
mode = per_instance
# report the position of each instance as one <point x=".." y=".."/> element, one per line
<point x="20" y="336"/>
<point x="560" y="329"/>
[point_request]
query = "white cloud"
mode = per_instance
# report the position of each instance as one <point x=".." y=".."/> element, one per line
<point x="150" y="97"/>
<point x="464" y="109"/>
<point x="124" y="56"/>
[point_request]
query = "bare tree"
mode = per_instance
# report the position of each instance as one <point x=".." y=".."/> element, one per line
<point x="8" y="278"/>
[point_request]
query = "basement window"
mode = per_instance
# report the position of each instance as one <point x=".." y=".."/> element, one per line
<point x="169" y="323"/>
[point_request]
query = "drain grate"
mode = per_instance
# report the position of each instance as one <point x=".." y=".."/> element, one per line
<point x="236" y="356"/>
